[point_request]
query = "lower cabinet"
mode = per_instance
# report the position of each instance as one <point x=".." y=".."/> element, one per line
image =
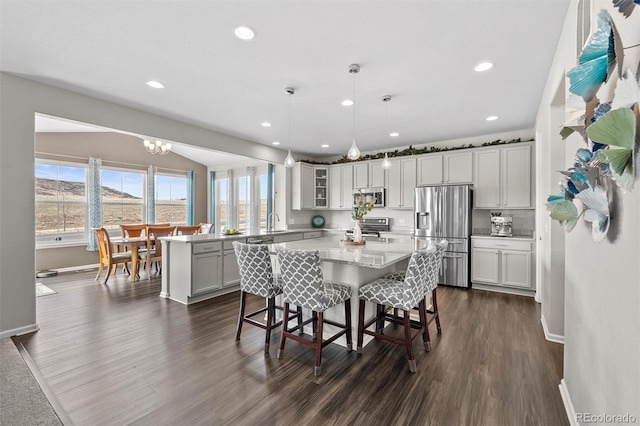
<point x="230" y="270"/>
<point x="206" y="268"/>
<point x="501" y="262"/>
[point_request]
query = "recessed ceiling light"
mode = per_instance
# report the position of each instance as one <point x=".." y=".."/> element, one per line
<point x="155" y="84"/>
<point x="275" y="143"/>
<point x="324" y="145"/>
<point x="244" y="33"/>
<point x="394" y="134"/>
<point x="483" y="66"/>
<point x="492" y="118"/>
<point x="347" y="102"/>
<point x="265" y="124"/>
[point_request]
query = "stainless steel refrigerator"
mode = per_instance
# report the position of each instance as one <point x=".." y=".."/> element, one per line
<point x="445" y="212"/>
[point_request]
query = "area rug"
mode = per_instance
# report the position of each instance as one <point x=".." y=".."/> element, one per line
<point x="43" y="290"/>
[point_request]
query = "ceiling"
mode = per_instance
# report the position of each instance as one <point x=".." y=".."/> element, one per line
<point x="422" y="53"/>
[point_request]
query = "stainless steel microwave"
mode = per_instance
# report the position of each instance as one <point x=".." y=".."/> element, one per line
<point x="369" y="194"/>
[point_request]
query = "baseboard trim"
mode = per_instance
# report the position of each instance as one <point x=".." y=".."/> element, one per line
<point x="19" y="331"/>
<point x="502" y="289"/>
<point x="568" y="405"/>
<point x="48" y="392"/>
<point x="556" y="338"/>
<point x="79" y="268"/>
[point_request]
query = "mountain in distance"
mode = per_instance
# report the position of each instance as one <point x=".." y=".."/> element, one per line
<point x="49" y="188"/>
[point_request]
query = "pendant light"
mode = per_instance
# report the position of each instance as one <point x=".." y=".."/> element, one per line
<point x="289" y="161"/>
<point x="354" y="152"/>
<point x="386" y="164"/>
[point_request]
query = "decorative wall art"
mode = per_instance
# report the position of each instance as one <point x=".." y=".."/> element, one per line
<point x="610" y="130"/>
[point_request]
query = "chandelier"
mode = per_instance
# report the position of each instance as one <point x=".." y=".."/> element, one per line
<point x="157" y="147"/>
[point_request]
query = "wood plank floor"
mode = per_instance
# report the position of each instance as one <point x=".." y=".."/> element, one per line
<point x="119" y="354"/>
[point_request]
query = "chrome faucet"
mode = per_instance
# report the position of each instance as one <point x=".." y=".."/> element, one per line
<point x="271" y="221"/>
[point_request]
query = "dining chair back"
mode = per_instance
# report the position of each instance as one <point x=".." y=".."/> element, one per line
<point x="207" y="228"/>
<point x="153" y="252"/>
<point x="131" y="231"/>
<point x="187" y="230"/>
<point x="107" y="257"/>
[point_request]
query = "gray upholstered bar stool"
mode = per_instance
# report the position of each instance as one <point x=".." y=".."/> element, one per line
<point x="303" y="285"/>
<point x="257" y="277"/>
<point x="402" y="295"/>
<point x="431" y="287"/>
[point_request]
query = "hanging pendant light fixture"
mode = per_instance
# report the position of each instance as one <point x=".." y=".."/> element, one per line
<point x="354" y="152"/>
<point x="289" y="161"/>
<point x="386" y="164"/>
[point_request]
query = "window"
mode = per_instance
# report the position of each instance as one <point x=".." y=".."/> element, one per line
<point x="241" y="199"/>
<point x="61" y="203"/>
<point x="123" y="200"/>
<point x="171" y="199"/>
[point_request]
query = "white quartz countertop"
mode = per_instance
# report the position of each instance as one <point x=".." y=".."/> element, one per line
<point x="204" y="238"/>
<point x="514" y="238"/>
<point x="374" y="254"/>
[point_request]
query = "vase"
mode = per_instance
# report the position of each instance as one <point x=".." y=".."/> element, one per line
<point x="357" y="232"/>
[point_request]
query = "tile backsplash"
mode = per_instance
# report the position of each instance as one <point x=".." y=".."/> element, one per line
<point x="523" y="221"/>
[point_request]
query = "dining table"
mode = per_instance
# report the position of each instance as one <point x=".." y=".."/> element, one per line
<point x="133" y="244"/>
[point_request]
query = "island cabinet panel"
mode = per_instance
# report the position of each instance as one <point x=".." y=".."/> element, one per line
<point x="502" y="177"/>
<point x="401" y="178"/>
<point x="445" y="169"/>
<point x="368" y="174"/>
<point x="206" y="268"/>
<point x="341" y="187"/>
<point x="302" y="186"/>
<point x="230" y="269"/>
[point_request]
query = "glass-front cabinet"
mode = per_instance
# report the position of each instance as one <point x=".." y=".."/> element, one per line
<point x="321" y="187"/>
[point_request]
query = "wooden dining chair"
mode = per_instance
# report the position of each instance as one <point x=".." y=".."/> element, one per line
<point x="187" y="230"/>
<point x="153" y="250"/>
<point x="131" y="231"/>
<point x="207" y="228"/>
<point x="107" y="257"/>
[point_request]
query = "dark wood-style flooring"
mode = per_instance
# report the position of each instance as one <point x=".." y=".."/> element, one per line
<point x="119" y="354"/>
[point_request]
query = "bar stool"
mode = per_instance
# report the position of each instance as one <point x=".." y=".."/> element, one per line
<point x="431" y="287"/>
<point x="402" y="295"/>
<point x="257" y="278"/>
<point x="303" y="285"/>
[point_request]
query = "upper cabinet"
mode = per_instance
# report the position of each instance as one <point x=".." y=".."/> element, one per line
<point x="438" y="169"/>
<point x="503" y="177"/>
<point x="368" y="174"/>
<point x="401" y="178"/>
<point x="341" y="186"/>
<point x="302" y="183"/>
<point x="321" y="187"/>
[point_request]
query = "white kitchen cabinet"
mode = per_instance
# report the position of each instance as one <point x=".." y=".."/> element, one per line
<point x="502" y="177"/>
<point x="368" y="174"/>
<point x="302" y="186"/>
<point x="452" y="168"/>
<point x="502" y="262"/>
<point x="341" y="186"/>
<point x="401" y="177"/>
<point x="321" y="187"/>
<point x="206" y="268"/>
<point x="230" y="270"/>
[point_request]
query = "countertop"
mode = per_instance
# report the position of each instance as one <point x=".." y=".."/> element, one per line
<point x="202" y="238"/>
<point x="373" y="254"/>
<point x="514" y="238"/>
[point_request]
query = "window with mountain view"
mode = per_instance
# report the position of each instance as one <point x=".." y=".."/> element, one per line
<point x="171" y="199"/>
<point x="61" y="203"/>
<point x="123" y="201"/>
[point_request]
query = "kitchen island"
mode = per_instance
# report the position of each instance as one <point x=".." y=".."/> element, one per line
<point x="199" y="267"/>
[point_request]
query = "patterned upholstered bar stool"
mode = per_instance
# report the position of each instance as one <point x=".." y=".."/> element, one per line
<point x="431" y="287"/>
<point x="303" y="285"/>
<point x="257" y="278"/>
<point x="402" y="295"/>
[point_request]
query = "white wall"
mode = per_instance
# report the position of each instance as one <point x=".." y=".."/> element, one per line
<point x="601" y="280"/>
<point x="20" y="99"/>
